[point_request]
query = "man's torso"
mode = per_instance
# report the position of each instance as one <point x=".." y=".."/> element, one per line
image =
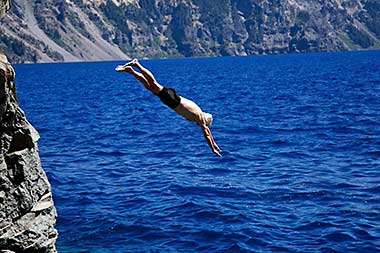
<point x="190" y="111"/>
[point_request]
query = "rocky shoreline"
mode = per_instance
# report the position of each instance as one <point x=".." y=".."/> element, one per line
<point x="27" y="212"/>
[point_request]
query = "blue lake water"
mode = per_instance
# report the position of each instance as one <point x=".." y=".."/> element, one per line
<point x="300" y="171"/>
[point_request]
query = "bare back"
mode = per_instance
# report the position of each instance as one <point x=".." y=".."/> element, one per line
<point x="190" y="111"/>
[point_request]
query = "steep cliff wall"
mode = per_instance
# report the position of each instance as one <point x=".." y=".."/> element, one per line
<point x="27" y="213"/>
<point x="74" y="30"/>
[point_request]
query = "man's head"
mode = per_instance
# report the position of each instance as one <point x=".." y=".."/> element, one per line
<point x="208" y="118"/>
<point x="5" y="5"/>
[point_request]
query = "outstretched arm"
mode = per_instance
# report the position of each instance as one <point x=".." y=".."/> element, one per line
<point x="210" y="140"/>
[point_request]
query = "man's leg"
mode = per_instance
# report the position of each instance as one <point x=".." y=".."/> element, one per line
<point x="148" y="76"/>
<point x="137" y="75"/>
<point x="150" y="81"/>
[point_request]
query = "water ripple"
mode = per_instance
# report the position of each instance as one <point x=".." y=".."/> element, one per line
<point x="300" y="166"/>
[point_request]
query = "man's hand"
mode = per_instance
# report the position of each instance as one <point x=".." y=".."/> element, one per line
<point x="215" y="151"/>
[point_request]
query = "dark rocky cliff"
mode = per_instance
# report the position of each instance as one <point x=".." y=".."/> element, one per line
<point x="27" y="212"/>
<point x="60" y="30"/>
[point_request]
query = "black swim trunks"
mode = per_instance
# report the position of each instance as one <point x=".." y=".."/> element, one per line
<point x="169" y="97"/>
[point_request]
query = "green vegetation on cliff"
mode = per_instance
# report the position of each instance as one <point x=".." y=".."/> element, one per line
<point x="15" y="49"/>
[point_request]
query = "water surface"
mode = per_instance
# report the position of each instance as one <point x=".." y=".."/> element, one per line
<point x="300" y="170"/>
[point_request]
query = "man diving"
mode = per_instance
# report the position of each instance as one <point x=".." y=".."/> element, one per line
<point x="184" y="107"/>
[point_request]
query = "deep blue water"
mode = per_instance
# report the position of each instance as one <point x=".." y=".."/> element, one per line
<point x="300" y="171"/>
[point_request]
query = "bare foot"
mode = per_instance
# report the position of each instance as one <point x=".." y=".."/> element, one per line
<point x="119" y="68"/>
<point x="131" y="63"/>
<point x="124" y="68"/>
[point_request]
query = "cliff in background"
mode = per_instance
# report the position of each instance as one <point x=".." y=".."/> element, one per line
<point x="27" y="213"/>
<point x="87" y="30"/>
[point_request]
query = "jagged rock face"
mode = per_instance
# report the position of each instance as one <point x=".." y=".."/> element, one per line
<point x="27" y="213"/>
<point x="5" y="5"/>
<point x="62" y="30"/>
